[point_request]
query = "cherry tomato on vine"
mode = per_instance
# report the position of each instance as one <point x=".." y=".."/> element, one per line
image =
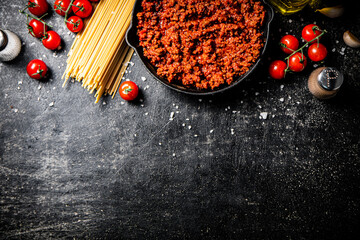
<point x="128" y="90"/>
<point x="310" y="32"/>
<point x="75" y="24"/>
<point x="317" y="52"/>
<point x="277" y="69"/>
<point x="36" y="69"/>
<point x="38" y="7"/>
<point x="60" y="7"/>
<point x="51" y="40"/>
<point x="82" y="8"/>
<point x="297" y="62"/>
<point x="37" y="28"/>
<point x="289" y="44"/>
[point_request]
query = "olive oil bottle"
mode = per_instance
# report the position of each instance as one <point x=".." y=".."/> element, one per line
<point x="287" y="7"/>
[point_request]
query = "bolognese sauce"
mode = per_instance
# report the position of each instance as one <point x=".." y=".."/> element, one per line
<point x="201" y="44"/>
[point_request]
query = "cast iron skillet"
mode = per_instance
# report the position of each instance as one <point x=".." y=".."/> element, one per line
<point x="133" y="40"/>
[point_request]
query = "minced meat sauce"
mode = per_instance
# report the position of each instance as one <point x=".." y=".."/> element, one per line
<point x="201" y="43"/>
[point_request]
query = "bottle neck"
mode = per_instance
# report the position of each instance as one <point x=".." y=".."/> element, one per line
<point x="3" y="40"/>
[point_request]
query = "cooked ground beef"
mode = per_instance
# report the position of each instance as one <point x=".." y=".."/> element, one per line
<point x="201" y="43"/>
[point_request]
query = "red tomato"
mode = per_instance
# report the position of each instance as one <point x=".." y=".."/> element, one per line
<point x="94" y="0"/>
<point x="277" y="69"/>
<point x="51" y="40"/>
<point x="75" y="24"/>
<point x="36" y="69"/>
<point x="38" y="7"/>
<point x="82" y="8"/>
<point x="317" y="52"/>
<point x="60" y="6"/>
<point x="128" y="90"/>
<point x="37" y="28"/>
<point x="297" y="62"/>
<point x="289" y="44"/>
<point x="310" y="32"/>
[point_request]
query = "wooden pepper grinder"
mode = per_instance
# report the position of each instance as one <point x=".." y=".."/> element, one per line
<point x="10" y="45"/>
<point x="325" y="82"/>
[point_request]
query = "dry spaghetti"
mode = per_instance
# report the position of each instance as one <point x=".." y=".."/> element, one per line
<point x="99" y="53"/>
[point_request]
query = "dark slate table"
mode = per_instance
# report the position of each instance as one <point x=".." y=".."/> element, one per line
<point x="217" y="170"/>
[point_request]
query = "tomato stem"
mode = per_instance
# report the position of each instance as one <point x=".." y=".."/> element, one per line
<point x="306" y="44"/>
<point x="36" y="18"/>
<point x="67" y="10"/>
<point x="128" y="90"/>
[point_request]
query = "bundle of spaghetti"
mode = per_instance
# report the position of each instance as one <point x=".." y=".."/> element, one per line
<point x="99" y="54"/>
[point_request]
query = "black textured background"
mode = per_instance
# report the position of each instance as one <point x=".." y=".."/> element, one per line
<point x="124" y="170"/>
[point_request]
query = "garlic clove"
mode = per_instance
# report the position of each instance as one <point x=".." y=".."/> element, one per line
<point x="332" y="12"/>
<point x="351" y="40"/>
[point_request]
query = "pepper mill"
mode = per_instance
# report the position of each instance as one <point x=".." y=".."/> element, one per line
<point x="325" y="82"/>
<point x="10" y="45"/>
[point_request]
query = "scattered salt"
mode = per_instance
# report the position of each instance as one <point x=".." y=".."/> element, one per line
<point x="281" y="99"/>
<point x="263" y="115"/>
<point x="281" y="87"/>
<point x="51" y="104"/>
<point x="212" y="130"/>
<point x="256" y="93"/>
<point x="146" y="113"/>
<point x="189" y="127"/>
<point x="143" y="78"/>
<point x="232" y="131"/>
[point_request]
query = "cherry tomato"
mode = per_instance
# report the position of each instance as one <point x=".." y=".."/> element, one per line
<point x="60" y="6"/>
<point x="36" y="28"/>
<point x="128" y="90"/>
<point x="51" y="40"/>
<point x="317" y="52"/>
<point x="277" y="69"/>
<point x="310" y="32"/>
<point x="38" y="7"/>
<point x="82" y="8"/>
<point x="297" y="62"/>
<point x="36" y="69"/>
<point x="289" y="44"/>
<point x="75" y="24"/>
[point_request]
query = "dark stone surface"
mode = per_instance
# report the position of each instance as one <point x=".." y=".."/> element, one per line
<point x="85" y="170"/>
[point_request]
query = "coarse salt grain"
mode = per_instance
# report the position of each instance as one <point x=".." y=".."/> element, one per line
<point x="232" y="131"/>
<point x="281" y="99"/>
<point x="189" y="127"/>
<point x="212" y="130"/>
<point x="51" y="104"/>
<point x="263" y="115"/>
<point x="143" y="78"/>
